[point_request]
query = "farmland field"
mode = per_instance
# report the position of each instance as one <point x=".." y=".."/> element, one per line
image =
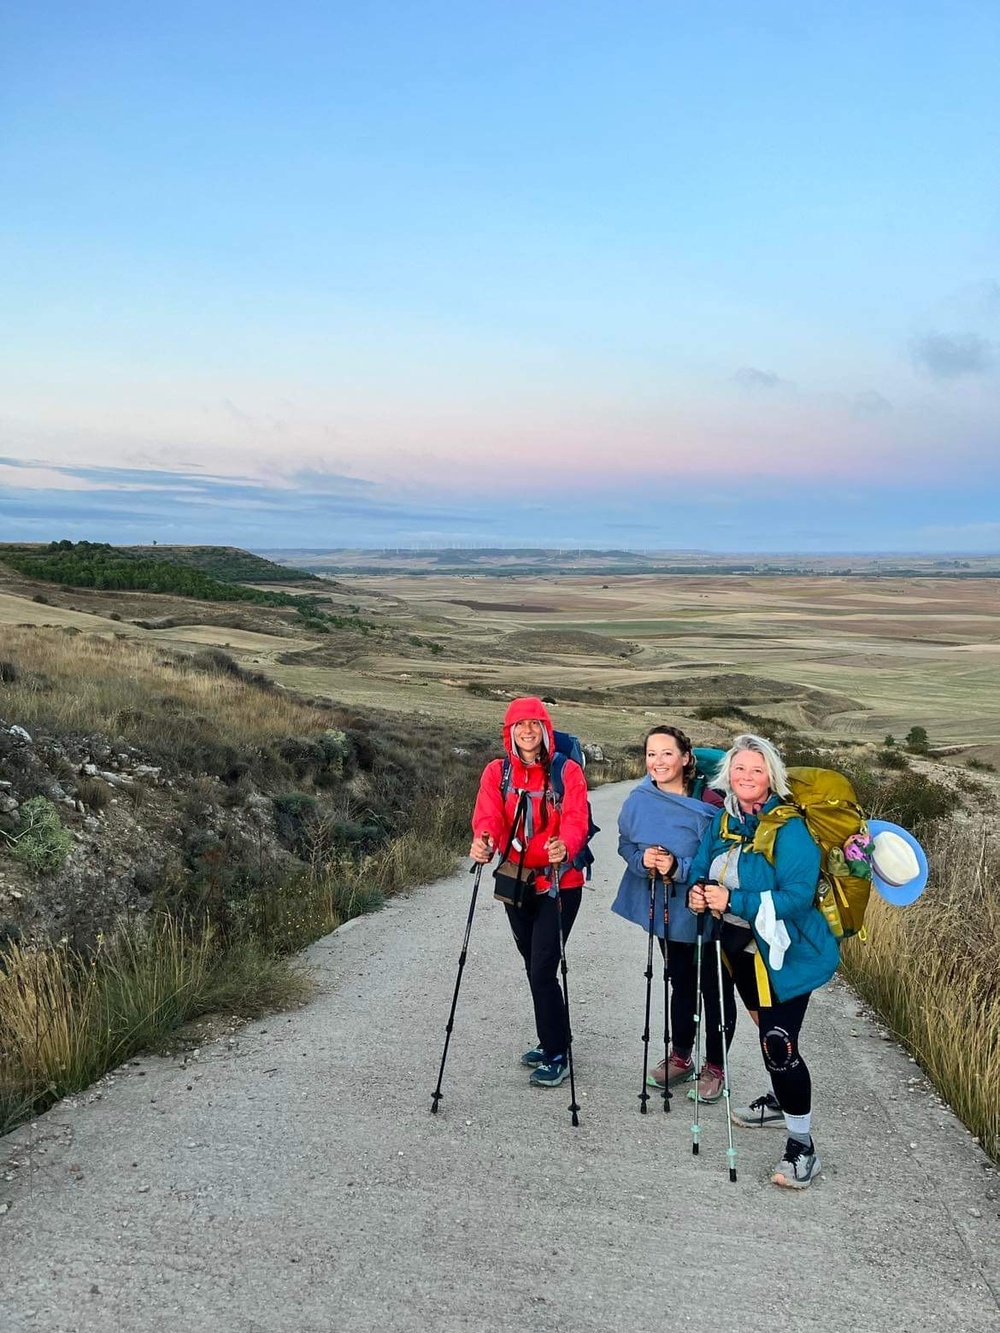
<point x="853" y="658"/>
<point x="836" y="656"/>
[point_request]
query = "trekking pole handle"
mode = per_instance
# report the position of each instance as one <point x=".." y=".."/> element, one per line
<point x="484" y="837"/>
<point x="700" y="917"/>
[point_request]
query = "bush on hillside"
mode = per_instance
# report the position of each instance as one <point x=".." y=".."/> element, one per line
<point x="39" y="840"/>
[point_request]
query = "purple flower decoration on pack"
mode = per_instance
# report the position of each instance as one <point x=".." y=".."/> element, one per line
<point x="858" y="853"/>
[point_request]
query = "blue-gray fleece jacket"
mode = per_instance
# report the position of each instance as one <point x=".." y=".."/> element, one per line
<point x="654" y="818"/>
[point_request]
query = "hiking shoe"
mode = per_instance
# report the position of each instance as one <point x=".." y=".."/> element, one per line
<point x="760" y="1114"/>
<point x="669" y="1072"/>
<point x="711" y="1081"/>
<point x="550" y="1075"/>
<point x="798" y="1167"/>
<point x="533" y="1058"/>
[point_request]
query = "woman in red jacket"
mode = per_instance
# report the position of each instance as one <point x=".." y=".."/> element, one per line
<point x="520" y="816"/>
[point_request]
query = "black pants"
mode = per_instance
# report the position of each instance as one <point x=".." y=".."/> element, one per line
<point x="536" y="935"/>
<point x="711" y="1036"/>
<point x="683" y="995"/>
<point x="778" y="1032"/>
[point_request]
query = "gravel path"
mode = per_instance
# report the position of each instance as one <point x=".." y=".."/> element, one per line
<point x="293" y="1179"/>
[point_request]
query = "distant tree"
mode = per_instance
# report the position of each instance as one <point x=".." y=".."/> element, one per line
<point x="916" y="740"/>
<point x="889" y="741"/>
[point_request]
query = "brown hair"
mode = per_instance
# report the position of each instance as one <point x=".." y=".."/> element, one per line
<point x="684" y="742"/>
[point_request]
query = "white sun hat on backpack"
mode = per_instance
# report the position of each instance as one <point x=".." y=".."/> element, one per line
<point x="899" y="864"/>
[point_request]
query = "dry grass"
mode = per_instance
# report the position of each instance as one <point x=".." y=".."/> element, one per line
<point x="930" y="971"/>
<point x="66" y="1018"/>
<point x="125" y="687"/>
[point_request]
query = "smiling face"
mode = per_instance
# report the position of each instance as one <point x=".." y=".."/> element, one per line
<point x="528" y="738"/>
<point x="665" y="760"/>
<point x="749" y="778"/>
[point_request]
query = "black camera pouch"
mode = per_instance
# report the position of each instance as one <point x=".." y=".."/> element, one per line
<point x="514" y="886"/>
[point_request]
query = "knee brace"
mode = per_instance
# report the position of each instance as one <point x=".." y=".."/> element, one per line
<point x="781" y="1052"/>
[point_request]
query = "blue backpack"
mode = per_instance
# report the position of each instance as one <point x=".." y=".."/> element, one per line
<point x="567" y="747"/>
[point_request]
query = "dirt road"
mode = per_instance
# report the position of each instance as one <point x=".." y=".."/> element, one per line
<point x="295" y="1180"/>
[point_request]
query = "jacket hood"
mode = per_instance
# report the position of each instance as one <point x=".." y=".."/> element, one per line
<point x="522" y="710"/>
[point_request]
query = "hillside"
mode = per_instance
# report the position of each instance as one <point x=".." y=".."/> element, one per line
<point x="99" y="565"/>
<point x="226" y="563"/>
<point x="182" y="779"/>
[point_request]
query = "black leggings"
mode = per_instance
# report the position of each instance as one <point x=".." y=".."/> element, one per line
<point x="710" y="1036"/>
<point x="779" y="1027"/>
<point x="683" y="995"/>
<point x="536" y="935"/>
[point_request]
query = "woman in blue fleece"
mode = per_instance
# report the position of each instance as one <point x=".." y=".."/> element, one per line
<point x="659" y="830"/>
<point x="759" y="879"/>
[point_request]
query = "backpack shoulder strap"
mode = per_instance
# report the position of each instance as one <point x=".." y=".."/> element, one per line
<point x="505" y="773"/>
<point x="556" y="774"/>
<point x="770" y="825"/>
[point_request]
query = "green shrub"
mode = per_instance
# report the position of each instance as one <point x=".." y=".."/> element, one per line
<point x="294" y="813"/>
<point x="39" y="841"/>
<point x="891" y="759"/>
<point x="980" y="765"/>
<point x="917" y="741"/>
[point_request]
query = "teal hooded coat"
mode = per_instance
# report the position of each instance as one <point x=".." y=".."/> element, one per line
<point x="813" y="954"/>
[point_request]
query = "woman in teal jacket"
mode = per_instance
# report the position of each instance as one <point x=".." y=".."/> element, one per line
<point x="776" y="942"/>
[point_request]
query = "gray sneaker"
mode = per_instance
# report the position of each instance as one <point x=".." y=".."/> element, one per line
<point x="760" y="1114"/>
<point x="799" y="1166"/>
<point x="533" y="1058"/>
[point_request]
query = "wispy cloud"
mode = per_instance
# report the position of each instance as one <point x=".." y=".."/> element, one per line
<point x="749" y="377"/>
<point x="870" y="403"/>
<point x="948" y="356"/>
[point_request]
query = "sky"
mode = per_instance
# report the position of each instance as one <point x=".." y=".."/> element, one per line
<point x="719" y="276"/>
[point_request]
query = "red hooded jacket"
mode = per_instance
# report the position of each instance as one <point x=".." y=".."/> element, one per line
<point x="494" y="813"/>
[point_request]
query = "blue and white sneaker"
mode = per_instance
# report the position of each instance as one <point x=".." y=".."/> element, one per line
<point x="533" y="1058"/>
<point x="552" y="1074"/>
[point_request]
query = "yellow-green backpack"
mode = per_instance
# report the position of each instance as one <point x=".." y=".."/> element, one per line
<point x="827" y="802"/>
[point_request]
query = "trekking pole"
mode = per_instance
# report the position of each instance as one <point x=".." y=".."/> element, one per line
<point x="667" y="1094"/>
<point x="730" y="1151"/>
<point x="573" y="1106"/>
<point x="644" y="1095"/>
<point x="699" y="943"/>
<point x="438" y="1094"/>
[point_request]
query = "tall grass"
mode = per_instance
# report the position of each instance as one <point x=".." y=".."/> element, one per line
<point x="66" y="1018"/>
<point x="930" y="971"/>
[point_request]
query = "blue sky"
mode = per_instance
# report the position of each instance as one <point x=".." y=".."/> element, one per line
<point x="655" y="275"/>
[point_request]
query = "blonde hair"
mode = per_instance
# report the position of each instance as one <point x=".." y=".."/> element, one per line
<point x="777" y="774"/>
